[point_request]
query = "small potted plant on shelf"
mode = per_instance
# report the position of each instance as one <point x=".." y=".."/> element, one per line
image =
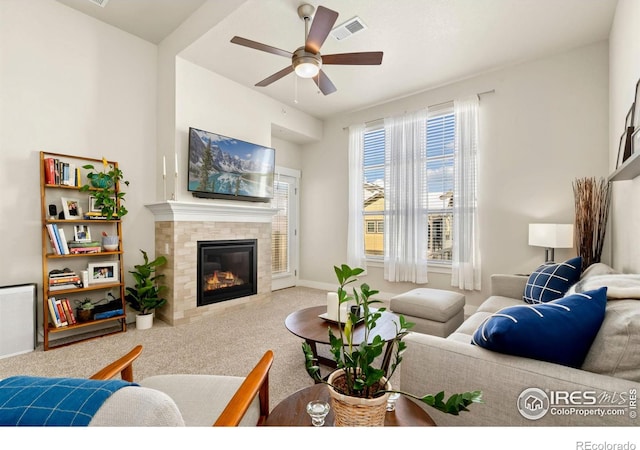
<point x="145" y="296"/>
<point x="357" y="382"/>
<point x="103" y="187"/>
<point x="84" y="310"/>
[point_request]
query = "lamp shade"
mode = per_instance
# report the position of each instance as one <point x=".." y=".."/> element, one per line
<point x="551" y="235"/>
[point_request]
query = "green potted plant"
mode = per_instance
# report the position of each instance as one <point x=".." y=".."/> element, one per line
<point x="103" y="187"/>
<point x="356" y="380"/>
<point x="146" y="294"/>
<point x="84" y="310"/>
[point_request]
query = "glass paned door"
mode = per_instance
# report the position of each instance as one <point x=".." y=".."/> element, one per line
<point x="284" y="230"/>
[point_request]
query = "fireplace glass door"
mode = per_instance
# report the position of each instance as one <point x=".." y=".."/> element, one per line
<point x="226" y="270"/>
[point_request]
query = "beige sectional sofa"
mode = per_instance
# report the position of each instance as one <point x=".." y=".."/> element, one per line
<point x="600" y="393"/>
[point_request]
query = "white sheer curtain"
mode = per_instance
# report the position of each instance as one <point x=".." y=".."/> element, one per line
<point x="466" y="249"/>
<point x="355" y="233"/>
<point x="405" y="222"/>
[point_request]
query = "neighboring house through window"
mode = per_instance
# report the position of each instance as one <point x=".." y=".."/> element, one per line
<point x="440" y="129"/>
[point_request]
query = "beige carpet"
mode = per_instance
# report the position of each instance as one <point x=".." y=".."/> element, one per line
<point x="227" y="344"/>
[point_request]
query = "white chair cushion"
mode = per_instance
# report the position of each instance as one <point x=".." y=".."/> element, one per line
<point x="202" y="398"/>
<point x="136" y="406"/>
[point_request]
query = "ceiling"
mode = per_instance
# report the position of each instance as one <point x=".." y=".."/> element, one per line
<point x="426" y="43"/>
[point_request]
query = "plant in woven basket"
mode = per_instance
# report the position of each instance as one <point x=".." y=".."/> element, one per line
<point x="359" y="377"/>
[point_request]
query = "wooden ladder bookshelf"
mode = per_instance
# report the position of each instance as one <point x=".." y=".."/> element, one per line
<point x="56" y="192"/>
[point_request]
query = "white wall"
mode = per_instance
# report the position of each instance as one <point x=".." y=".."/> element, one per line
<point x="624" y="72"/>
<point x="545" y="125"/>
<point x="288" y="154"/>
<point x="70" y="84"/>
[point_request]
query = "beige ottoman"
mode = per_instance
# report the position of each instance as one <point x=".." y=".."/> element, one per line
<point x="434" y="311"/>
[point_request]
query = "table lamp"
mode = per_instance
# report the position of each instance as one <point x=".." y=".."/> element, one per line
<point x="551" y="236"/>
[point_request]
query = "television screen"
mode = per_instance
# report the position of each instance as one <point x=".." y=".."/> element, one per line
<point x="224" y="167"/>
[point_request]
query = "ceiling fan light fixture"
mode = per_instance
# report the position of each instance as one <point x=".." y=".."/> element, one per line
<point x="307" y="69"/>
<point x="305" y="64"/>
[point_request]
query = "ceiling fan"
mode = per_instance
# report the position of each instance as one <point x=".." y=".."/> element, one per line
<point x="306" y="61"/>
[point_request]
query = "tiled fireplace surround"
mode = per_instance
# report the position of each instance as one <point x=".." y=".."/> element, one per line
<point x="178" y="228"/>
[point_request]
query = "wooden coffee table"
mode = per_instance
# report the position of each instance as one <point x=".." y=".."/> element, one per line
<point x="292" y="411"/>
<point x="306" y="324"/>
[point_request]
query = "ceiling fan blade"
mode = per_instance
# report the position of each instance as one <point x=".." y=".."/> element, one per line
<point x="275" y="77"/>
<point x="323" y="21"/>
<point x="324" y="83"/>
<point x="259" y="46"/>
<point x="363" y="58"/>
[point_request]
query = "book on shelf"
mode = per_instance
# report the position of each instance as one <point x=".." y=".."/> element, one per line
<point x="80" y="244"/>
<point x="61" y="315"/>
<point x="49" y="171"/>
<point x="53" y="239"/>
<point x="68" y="311"/>
<point x="65" y="286"/>
<point x="57" y="234"/>
<point x="69" y="174"/>
<point x="52" y="312"/>
<point x="56" y="171"/>
<point x="79" y="250"/>
<point x="55" y="311"/>
<point x="68" y="279"/>
<point x="62" y="273"/>
<point x="63" y="241"/>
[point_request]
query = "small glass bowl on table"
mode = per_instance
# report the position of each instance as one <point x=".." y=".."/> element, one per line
<point x="318" y="410"/>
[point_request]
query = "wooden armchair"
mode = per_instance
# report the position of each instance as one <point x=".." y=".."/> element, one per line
<point x="198" y="399"/>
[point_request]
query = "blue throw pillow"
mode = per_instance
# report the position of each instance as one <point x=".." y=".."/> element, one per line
<point x="552" y="281"/>
<point x="560" y="331"/>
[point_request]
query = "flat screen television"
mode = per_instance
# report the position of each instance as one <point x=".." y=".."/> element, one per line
<point x="229" y="168"/>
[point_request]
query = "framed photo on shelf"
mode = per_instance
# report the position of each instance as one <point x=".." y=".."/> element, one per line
<point x="628" y="122"/>
<point x="625" y="147"/>
<point x="71" y="208"/>
<point x="635" y="141"/>
<point x="92" y="205"/>
<point x="82" y="233"/>
<point x="93" y="209"/>
<point x="104" y="272"/>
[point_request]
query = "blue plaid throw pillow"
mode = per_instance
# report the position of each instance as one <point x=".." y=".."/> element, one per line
<point x="551" y="281"/>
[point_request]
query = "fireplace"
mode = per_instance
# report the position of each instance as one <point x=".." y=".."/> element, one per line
<point x="226" y="270"/>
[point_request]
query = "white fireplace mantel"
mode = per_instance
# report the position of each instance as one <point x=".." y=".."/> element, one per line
<point x="174" y="211"/>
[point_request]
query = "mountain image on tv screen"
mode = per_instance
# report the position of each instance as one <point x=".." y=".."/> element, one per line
<point x="229" y="167"/>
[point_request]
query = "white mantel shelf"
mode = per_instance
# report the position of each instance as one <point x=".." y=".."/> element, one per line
<point x="174" y="211"/>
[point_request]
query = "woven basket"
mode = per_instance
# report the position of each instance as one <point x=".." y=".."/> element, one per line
<point x="355" y="411"/>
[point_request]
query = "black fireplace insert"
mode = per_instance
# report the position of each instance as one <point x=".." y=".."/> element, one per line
<point x="226" y="270"/>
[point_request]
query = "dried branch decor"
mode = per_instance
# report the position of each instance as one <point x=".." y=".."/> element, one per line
<point x="592" y="200"/>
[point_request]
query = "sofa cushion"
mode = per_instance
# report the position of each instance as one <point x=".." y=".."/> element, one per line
<point x="470" y="325"/>
<point x="551" y="281"/>
<point x="560" y="331"/>
<point x="496" y="302"/>
<point x="614" y="351"/>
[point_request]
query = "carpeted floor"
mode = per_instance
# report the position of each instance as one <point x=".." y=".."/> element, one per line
<point x="227" y="344"/>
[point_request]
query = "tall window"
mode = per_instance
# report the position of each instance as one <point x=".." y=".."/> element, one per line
<point x="440" y="127"/>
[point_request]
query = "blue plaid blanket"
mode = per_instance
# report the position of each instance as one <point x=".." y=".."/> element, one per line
<point x="38" y="401"/>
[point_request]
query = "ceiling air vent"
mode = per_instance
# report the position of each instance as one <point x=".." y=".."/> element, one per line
<point x="348" y="28"/>
<point x="100" y="3"/>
